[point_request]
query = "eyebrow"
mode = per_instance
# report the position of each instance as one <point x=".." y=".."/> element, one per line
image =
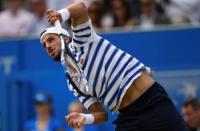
<point x="49" y="36"/>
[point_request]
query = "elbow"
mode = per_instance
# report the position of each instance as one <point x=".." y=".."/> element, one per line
<point x="82" y="8"/>
<point x="78" y="10"/>
<point x="82" y="5"/>
<point x="105" y="117"/>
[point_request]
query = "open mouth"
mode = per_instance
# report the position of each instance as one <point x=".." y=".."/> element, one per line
<point x="51" y="52"/>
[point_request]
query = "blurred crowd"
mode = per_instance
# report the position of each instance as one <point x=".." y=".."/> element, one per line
<point x="22" y="18"/>
<point x="45" y="120"/>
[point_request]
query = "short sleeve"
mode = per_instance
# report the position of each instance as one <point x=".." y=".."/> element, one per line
<point x="83" y="34"/>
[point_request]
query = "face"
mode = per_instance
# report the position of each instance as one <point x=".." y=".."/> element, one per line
<point x="76" y="107"/>
<point x="39" y="7"/>
<point x="43" y="108"/>
<point x="52" y="45"/>
<point x="118" y="9"/>
<point x="190" y="116"/>
<point x="95" y="11"/>
<point x="147" y="6"/>
<point x="15" y="4"/>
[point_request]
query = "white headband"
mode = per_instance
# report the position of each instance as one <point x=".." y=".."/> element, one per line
<point x="52" y="30"/>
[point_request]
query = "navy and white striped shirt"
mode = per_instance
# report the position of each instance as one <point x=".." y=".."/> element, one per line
<point x="109" y="70"/>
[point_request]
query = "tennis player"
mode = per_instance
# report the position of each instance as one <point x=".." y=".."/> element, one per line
<point x="116" y="79"/>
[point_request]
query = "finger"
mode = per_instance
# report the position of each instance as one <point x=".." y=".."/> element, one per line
<point x="54" y="18"/>
<point x="73" y="114"/>
<point x="77" y="124"/>
<point x="67" y="118"/>
<point x="70" y="116"/>
<point x="73" y="123"/>
<point x="70" y="123"/>
<point x="49" y="11"/>
<point x="53" y="15"/>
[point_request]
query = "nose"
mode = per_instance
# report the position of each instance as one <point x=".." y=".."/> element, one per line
<point x="48" y="45"/>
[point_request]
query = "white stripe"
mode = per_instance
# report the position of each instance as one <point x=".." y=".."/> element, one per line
<point x="118" y="82"/>
<point x="95" y="66"/>
<point x="118" y="68"/>
<point x="88" y="31"/>
<point x="102" y="71"/>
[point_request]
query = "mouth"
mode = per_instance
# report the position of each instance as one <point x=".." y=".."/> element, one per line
<point x="51" y="52"/>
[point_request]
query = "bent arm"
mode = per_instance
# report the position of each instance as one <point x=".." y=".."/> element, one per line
<point x="99" y="113"/>
<point x="78" y="13"/>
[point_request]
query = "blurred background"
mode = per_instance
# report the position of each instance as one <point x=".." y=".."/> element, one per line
<point x="163" y="34"/>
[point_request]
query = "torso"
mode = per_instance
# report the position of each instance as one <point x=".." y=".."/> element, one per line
<point x="137" y="88"/>
<point x="109" y="70"/>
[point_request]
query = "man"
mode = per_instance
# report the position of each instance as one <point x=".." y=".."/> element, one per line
<point x="115" y="79"/>
<point x="191" y="113"/>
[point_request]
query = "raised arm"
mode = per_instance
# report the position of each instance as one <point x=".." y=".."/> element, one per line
<point x="77" y="12"/>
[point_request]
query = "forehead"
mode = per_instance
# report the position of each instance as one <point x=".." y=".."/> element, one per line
<point x="46" y="36"/>
<point x="188" y="108"/>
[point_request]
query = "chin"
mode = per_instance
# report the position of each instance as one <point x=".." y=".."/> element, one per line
<point x="57" y="58"/>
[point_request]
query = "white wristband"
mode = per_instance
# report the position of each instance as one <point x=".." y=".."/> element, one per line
<point x="64" y="14"/>
<point x="89" y="118"/>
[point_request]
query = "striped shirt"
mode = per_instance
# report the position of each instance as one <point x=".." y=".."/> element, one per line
<point x="109" y="70"/>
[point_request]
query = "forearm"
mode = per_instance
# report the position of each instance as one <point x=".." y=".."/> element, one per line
<point x="100" y="115"/>
<point x="78" y="13"/>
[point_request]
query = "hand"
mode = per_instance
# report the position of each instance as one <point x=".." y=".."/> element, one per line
<point x="53" y="16"/>
<point x="75" y="120"/>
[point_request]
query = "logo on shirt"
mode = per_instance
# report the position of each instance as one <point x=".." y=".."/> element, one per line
<point x="81" y="61"/>
<point x="72" y="70"/>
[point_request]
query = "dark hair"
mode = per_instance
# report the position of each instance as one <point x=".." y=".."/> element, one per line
<point x="194" y="103"/>
<point x="126" y="6"/>
<point x="43" y="98"/>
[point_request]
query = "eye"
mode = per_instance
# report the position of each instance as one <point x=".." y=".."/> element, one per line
<point x="44" y="45"/>
<point x="50" y="39"/>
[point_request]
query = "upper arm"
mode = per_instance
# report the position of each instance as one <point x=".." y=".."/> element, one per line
<point x="78" y="13"/>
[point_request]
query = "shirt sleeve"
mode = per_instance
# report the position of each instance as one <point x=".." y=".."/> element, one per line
<point x="83" y="34"/>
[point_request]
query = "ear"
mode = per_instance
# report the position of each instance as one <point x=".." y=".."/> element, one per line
<point x="67" y="39"/>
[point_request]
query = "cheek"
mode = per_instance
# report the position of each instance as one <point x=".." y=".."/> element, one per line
<point x="57" y="45"/>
